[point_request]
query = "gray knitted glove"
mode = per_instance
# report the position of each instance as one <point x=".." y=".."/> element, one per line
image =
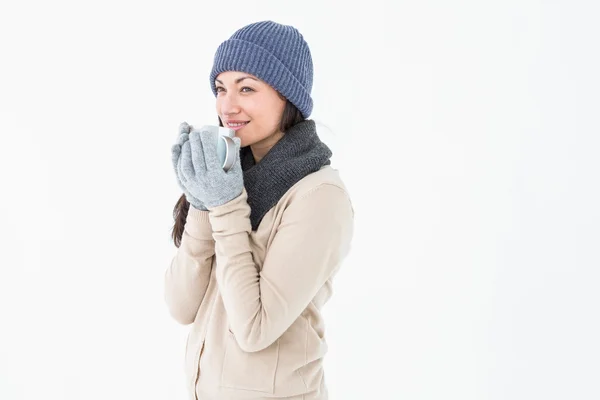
<point x="182" y="140"/>
<point x="203" y="173"/>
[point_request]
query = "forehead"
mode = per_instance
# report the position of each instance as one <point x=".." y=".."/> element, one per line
<point x="232" y="76"/>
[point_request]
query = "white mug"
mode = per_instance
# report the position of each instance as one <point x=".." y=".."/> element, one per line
<point x="225" y="144"/>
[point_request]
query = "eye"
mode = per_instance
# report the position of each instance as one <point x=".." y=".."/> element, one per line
<point x="249" y="89"/>
<point x="219" y="89"/>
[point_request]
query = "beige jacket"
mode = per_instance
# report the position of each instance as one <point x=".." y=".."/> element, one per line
<point x="254" y="299"/>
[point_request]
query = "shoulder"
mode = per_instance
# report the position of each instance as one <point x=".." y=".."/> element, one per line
<point x="323" y="189"/>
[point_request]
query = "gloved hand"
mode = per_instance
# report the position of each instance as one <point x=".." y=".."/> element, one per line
<point x="203" y="173"/>
<point x="182" y="140"/>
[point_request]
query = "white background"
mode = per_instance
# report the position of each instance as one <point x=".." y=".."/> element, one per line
<point x="466" y="131"/>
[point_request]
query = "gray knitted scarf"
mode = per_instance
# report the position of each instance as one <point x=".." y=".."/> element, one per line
<point x="298" y="153"/>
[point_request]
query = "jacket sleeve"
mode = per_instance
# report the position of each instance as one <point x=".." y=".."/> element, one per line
<point x="310" y="243"/>
<point x="187" y="277"/>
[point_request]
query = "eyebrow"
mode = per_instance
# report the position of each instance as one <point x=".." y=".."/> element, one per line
<point x="238" y="80"/>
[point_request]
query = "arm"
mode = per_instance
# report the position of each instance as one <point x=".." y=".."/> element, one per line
<point x="313" y="238"/>
<point x="187" y="277"/>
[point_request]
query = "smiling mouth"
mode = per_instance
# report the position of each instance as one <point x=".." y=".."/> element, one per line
<point x="237" y="125"/>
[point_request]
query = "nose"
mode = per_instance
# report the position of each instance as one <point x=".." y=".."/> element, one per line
<point x="228" y="104"/>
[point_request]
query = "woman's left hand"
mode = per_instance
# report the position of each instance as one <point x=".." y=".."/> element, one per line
<point x="202" y="169"/>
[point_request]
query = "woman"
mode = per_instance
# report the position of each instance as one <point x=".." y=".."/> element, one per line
<point x="260" y="244"/>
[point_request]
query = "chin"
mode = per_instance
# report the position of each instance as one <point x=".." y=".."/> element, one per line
<point x="243" y="143"/>
<point x="245" y="140"/>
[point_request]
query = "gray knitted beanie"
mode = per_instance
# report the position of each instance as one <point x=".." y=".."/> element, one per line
<point x="275" y="53"/>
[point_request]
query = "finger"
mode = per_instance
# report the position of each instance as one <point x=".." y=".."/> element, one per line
<point x="237" y="163"/>
<point x="180" y="177"/>
<point x="182" y="139"/>
<point x="197" y="151"/>
<point x="237" y="141"/>
<point x="175" y="154"/>
<point x="238" y="145"/>
<point x="176" y="149"/>
<point x="187" y="167"/>
<point x="209" y="146"/>
<point x="184" y="127"/>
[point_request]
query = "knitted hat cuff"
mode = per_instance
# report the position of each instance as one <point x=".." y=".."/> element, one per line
<point x="240" y="55"/>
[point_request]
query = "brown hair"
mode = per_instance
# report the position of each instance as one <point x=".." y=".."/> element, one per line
<point x="290" y="117"/>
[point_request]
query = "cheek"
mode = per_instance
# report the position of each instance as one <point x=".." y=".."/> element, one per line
<point x="271" y="111"/>
<point x="218" y="107"/>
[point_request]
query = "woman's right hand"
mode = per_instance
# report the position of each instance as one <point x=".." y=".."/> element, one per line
<point x="183" y="137"/>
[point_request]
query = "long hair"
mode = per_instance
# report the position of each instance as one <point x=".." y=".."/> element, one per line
<point x="290" y="117"/>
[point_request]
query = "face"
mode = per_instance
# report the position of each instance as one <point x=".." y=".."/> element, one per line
<point x="251" y="107"/>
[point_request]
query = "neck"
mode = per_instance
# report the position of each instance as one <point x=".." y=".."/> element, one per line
<point x="300" y="153"/>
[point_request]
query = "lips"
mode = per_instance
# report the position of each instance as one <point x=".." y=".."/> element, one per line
<point x="235" y="125"/>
